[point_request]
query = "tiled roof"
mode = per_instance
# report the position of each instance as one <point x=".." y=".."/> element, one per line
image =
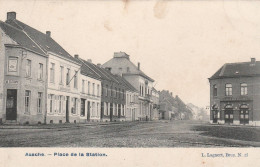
<point x="43" y="40"/>
<point x="238" y="70"/>
<point x="87" y="71"/>
<point x="126" y="84"/>
<point x="101" y="72"/>
<point x="20" y="37"/>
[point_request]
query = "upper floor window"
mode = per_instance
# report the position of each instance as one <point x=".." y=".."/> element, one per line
<point x="52" y="72"/>
<point x="215" y="90"/>
<point x="228" y="89"/>
<point x="28" y="67"/>
<point x="98" y="90"/>
<point x="76" y="80"/>
<point x="88" y="87"/>
<point x="68" y="77"/>
<point x="93" y="88"/>
<point x="61" y="74"/>
<point x="83" y="86"/>
<point x="40" y="71"/>
<point x="106" y="90"/>
<point x="243" y="89"/>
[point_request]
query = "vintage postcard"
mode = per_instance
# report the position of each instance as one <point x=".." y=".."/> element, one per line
<point x="129" y="83"/>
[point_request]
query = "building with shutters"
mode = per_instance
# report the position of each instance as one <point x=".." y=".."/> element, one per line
<point x="235" y="94"/>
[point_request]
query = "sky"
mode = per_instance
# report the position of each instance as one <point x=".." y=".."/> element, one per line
<point x="178" y="44"/>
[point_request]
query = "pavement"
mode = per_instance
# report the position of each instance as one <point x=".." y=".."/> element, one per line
<point x="130" y="134"/>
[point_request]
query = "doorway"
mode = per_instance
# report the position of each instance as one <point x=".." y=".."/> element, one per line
<point x="67" y="109"/>
<point x="229" y="116"/>
<point x="11" y="104"/>
<point x="88" y="111"/>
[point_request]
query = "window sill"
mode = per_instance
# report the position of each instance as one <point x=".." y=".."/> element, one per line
<point x="29" y="77"/>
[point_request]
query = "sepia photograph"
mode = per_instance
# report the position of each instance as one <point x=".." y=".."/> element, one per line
<point x="173" y="76"/>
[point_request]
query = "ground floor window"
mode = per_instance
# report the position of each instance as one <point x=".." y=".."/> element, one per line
<point x="39" y="102"/>
<point x="27" y="100"/>
<point x="74" y="106"/>
<point x="98" y="109"/>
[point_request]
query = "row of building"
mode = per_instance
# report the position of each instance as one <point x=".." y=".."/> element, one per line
<point x="40" y="82"/>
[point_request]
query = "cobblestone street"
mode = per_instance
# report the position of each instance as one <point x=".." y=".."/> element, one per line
<point x="130" y="134"/>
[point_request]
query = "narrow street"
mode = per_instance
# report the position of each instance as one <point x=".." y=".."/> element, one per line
<point x="130" y="134"/>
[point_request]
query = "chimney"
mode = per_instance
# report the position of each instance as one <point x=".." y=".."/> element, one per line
<point x="253" y="60"/>
<point x="89" y="60"/>
<point x="76" y="56"/>
<point x="48" y="33"/>
<point x="99" y="65"/>
<point x="171" y="93"/>
<point x="138" y="66"/>
<point x="11" y="15"/>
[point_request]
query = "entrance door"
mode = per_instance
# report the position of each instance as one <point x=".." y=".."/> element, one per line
<point x="244" y="116"/>
<point x="11" y="104"/>
<point x="163" y="113"/>
<point x="67" y="109"/>
<point x="88" y="114"/>
<point x="111" y="112"/>
<point x="82" y="108"/>
<point x="229" y="116"/>
<point x="215" y="116"/>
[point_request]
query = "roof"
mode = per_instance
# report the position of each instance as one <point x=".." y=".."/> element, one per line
<point x="87" y="71"/>
<point x="244" y="69"/>
<point x="127" y="85"/>
<point x="101" y="72"/>
<point x="44" y="41"/>
<point x="20" y="37"/>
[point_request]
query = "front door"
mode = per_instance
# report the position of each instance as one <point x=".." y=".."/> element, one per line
<point x="67" y="109"/>
<point x="88" y="114"/>
<point x="229" y="116"/>
<point x="11" y="104"/>
<point x="244" y="116"/>
<point x="215" y="116"/>
<point x="82" y="108"/>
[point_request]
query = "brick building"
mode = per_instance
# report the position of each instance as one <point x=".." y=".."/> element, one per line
<point x="235" y="94"/>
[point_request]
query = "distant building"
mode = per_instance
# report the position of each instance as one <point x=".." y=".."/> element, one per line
<point x="120" y="64"/>
<point x="168" y="106"/>
<point x="156" y="104"/>
<point x="235" y="94"/>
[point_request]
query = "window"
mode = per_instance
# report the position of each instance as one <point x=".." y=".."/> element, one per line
<point x="12" y="64"/>
<point x="68" y="77"/>
<point x="228" y="89"/>
<point x="93" y="89"/>
<point x="88" y="87"/>
<point x="74" y="106"/>
<point x="61" y="74"/>
<point x="119" y="92"/>
<point x="51" y="103"/>
<point x="98" y="109"/>
<point x="52" y="72"/>
<point x="115" y="92"/>
<point x="27" y="100"/>
<point x="93" y="109"/>
<point x="106" y="90"/>
<point x="243" y="89"/>
<point x="83" y="86"/>
<point x="40" y="71"/>
<point x="98" y="90"/>
<point x="60" y="104"/>
<point x="123" y="92"/>
<point x="76" y="80"/>
<point x="215" y="90"/>
<point x="28" y="67"/>
<point x="39" y="102"/>
<point x="111" y="91"/>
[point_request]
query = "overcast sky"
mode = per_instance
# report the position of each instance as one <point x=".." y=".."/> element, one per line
<point x="179" y="44"/>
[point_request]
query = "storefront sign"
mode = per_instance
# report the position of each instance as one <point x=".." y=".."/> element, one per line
<point x="11" y="82"/>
